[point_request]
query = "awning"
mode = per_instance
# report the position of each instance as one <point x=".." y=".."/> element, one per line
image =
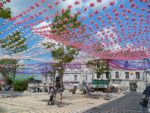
<point x="100" y="83"/>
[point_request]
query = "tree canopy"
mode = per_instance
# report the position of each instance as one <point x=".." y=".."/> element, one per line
<point x="65" y="21"/>
<point x="13" y="44"/>
<point x="100" y="66"/>
<point x="64" y="54"/>
<point x="10" y="45"/>
<point x="4" y="12"/>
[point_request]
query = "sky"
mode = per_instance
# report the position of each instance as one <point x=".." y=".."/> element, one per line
<point x="18" y="6"/>
<point x="34" y="46"/>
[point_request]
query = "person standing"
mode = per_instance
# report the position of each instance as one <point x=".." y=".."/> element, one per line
<point x="51" y="93"/>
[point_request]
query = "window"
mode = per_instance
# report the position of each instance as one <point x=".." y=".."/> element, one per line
<point x="127" y="75"/>
<point x="99" y="75"/>
<point x="75" y="77"/>
<point x="107" y="75"/>
<point x="117" y="74"/>
<point x="137" y="75"/>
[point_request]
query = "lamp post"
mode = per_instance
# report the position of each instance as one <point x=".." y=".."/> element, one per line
<point x="145" y="62"/>
<point x="108" y="73"/>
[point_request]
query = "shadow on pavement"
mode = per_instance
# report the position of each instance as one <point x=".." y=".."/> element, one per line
<point x="129" y="103"/>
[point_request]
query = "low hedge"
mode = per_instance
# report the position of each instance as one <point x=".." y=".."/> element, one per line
<point x="20" y="85"/>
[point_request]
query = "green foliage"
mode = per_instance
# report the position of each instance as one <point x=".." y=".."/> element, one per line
<point x="30" y="79"/>
<point x="5" y="13"/>
<point x="102" y="67"/>
<point x="10" y="80"/>
<point x="13" y="44"/>
<point x="8" y="67"/>
<point x="62" y="22"/>
<point x="21" y="85"/>
<point x="63" y="55"/>
<point x="99" y="66"/>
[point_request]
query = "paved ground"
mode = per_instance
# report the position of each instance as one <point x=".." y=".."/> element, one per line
<point x="37" y="103"/>
<point x="126" y="104"/>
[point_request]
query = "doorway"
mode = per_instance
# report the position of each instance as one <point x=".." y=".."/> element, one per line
<point x="133" y="87"/>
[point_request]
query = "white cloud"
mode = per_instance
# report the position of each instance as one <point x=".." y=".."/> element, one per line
<point x="48" y="40"/>
<point x="18" y="6"/>
<point x="43" y="24"/>
<point x="86" y="3"/>
<point x="44" y="29"/>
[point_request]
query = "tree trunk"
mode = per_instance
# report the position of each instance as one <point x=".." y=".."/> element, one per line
<point x="6" y="83"/>
<point x="61" y="81"/>
<point x="107" y="61"/>
<point x="97" y="86"/>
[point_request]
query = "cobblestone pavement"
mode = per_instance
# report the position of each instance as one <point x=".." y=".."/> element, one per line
<point x="126" y="104"/>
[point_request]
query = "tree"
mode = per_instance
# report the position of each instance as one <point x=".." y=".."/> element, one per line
<point x="4" y="12"/>
<point x="21" y="85"/>
<point x="100" y="66"/>
<point x="63" y="55"/>
<point x="11" y="45"/>
<point x="63" y="23"/>
<point x="7" y="69"/>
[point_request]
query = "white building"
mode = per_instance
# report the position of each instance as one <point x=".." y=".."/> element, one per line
<point x="74" y="75"/>
<point x="129" y="80"/>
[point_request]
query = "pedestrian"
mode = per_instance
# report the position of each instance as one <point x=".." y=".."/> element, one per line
<point x="145" y="101"/>
<point x="147" y="91"/>
<point x="51" y="93"/>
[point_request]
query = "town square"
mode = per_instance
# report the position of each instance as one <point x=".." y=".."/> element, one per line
<point x="74" y="56"/>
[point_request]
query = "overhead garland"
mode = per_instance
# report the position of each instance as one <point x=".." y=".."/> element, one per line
<point x="114" y="30"/>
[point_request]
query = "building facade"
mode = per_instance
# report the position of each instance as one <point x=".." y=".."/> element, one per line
<point x="127" y="80"/>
